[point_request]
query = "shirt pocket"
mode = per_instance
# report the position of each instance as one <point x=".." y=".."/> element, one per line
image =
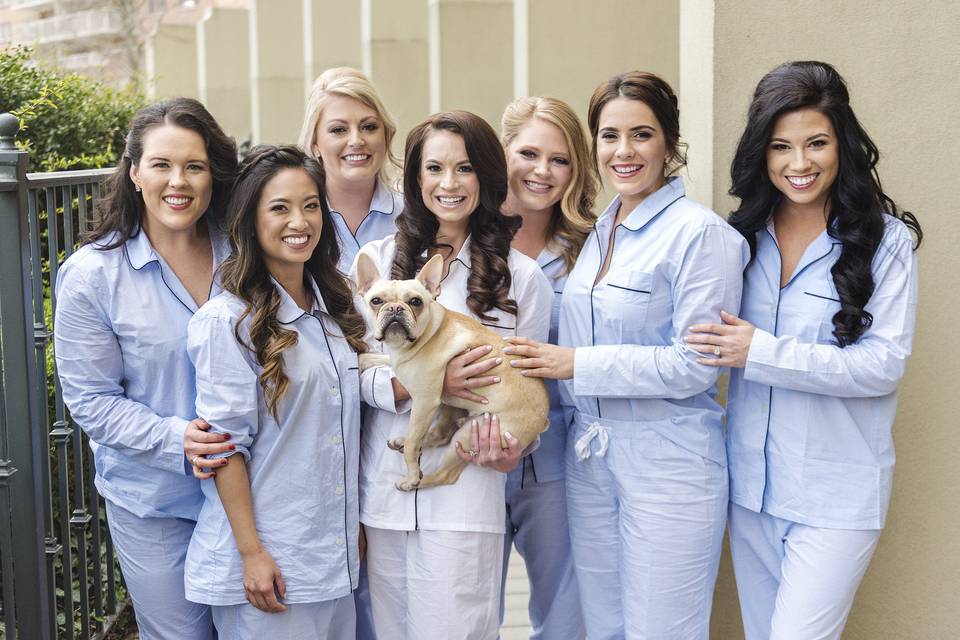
<point x="820" y="305"/>
<point x="629" y="293"/>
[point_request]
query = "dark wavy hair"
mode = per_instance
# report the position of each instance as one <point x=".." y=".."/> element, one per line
<point x="245" y="274"/>
<point x="856" y="199"/>
<point x="120" y="209"/>
<point x="653" y="91"/>
<point x="491" y="231"/>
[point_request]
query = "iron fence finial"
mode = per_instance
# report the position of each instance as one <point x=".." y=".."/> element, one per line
<point x="9" y="126"/>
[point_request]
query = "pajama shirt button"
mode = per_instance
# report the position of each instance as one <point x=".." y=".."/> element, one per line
<point x="339" y="490"/>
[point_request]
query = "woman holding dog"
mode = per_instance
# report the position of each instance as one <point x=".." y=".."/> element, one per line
<point x="275" y="548"/>
<point x="435" y="555"/>
<point x="123" y="303"/>
<point x="822" y="341"/>
<point x="552" y="185"/>
<point x="646" y="465"/>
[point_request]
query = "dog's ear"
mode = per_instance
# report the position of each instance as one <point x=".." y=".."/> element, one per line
<point x="431" y="274"/>
<point x="367" y="273"/>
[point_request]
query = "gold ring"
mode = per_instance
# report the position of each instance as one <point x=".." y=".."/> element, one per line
<point x="716" y="351"/>
<point x="193" y="460"/>
<point x="474" y="453"/>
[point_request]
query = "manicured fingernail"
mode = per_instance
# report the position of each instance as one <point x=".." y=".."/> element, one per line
<point x="488" y="348"/>
<point x="226" y="436"/>
<point x="233" y="447"/>
<point x="499" y="360"/>
<point x="508" y="434"/>
<point x="496" y="378"/>
<point x="508" y="350"/>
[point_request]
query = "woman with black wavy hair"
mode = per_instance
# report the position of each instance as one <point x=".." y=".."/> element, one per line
<point x="826" y="326"/>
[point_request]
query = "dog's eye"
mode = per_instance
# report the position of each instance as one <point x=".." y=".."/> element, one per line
<point x="376" y="300"/>
<point x="415" y="302"/>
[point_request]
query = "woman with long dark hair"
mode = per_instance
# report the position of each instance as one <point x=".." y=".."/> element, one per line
<point x="435" y="556"/>
<point x="276" y="363"/>
<point x="818" y="351"/>
<point x="123" y="304"/>
<point x="646" y="477"/>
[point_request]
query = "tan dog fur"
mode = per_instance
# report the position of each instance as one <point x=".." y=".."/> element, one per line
<point x="420" y="339"/>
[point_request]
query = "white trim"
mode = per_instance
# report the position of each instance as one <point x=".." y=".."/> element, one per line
<point x="366" y="38"/>
<point x="201" y="37"/>
<point x="433" y="49"/>
<point x="254" y="75"/>
<point x="696" y="95"/>
<point x="521" y="49"/>
<point x="308" y="70"/>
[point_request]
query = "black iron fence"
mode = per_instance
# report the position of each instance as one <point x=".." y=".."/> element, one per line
<point x="57" y="571"/>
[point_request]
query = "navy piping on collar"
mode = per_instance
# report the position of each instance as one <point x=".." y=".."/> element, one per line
<point x="653" y="217"/>
<point x="343" y="446"/>
<point x="498" y="326"/>
<point x="806" y="266"/>
<point x="163" y="279"/>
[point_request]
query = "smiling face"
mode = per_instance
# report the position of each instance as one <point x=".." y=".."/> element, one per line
<point x="631" y="150"/>
<point x="803" y="158"/>
<point x="538" y="167"/>
<point x="289" y="221"/>
<point x="175" y="179"/>
<point x="350" y="140"/>
<point x="448" y="184"/>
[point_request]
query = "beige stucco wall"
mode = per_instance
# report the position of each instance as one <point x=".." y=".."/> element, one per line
<point x="899" y="59"/>
<point x="223" y="69"/>
<point x="171" y="60"/>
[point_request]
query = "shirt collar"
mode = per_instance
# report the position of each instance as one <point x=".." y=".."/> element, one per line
<point x="652" y="206"/>
<point x="463" y="257"/>
<point x="139" y="250"/>
<point x="289" y="311"/>
<point x="383" y="201"/>
<point x="548" y="255"/>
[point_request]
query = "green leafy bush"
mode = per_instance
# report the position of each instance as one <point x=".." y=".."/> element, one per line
<point x="67" y="121"/>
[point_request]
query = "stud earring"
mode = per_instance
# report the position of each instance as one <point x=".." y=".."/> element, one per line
<point x="136" y="187"/>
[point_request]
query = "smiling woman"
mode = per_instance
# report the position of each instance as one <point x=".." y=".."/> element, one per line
<point x="124" y="302"/>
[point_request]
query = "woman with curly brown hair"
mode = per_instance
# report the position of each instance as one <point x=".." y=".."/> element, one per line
<point x="276" y="362"/>
<point x="435" y="556"/>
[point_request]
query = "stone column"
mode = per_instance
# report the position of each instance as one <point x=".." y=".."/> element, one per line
<point x="223" y="69"/>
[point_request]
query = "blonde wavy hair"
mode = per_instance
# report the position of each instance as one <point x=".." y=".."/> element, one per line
<point x="348" y="82"/>
<point x="573" y="215"/>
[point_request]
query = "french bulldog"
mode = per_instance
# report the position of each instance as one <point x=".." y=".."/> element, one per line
<point x="419" y="337"/>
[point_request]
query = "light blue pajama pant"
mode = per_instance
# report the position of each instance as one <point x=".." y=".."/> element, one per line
<point x="361" y="600"/>
<point x="151" y="553"/>
<point x="646" y="523"/>
<point x="537" y="525"/>
<point x="796" y="582"/>
<point x="328" y="620"/>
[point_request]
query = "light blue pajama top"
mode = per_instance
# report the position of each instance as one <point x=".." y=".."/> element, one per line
<point x="675" y="263"/>
<point x="120" y="332"/>
<point x="810" y="424"/>
<point x="303" y="468"/>
<point x="380" y="222"/>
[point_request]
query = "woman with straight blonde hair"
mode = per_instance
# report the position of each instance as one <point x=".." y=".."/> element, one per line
<point x="552" y="183"/>
<point x="348" y="129"/>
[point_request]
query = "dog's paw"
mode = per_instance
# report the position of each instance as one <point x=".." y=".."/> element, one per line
<point x="371" y="360"/>
<point x="396" y="443"/>
<point x="408" y="485"/>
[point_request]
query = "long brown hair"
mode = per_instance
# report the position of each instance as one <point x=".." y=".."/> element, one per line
<point x="573" y="215"/>
<point x="491" y="231"/>
<point x="245" y="275"/>
<point x="120" y="209"/>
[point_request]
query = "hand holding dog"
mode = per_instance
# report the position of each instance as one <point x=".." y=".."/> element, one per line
<point x="540" y="359"/>
<point x="260" y="574"/>
<point x="486" y="449"/>
<point x="464" y="372"/>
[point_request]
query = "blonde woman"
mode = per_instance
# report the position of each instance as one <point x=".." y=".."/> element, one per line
<point x="552" y="183"/>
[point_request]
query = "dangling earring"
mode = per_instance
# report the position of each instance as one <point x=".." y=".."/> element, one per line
<point x="136" y="187"/>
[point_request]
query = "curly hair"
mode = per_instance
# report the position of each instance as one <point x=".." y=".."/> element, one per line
<point x="573" y="215"/>
<point x="245" y="274"/>
<point x="120" y="209"/>
<point x="491" y="231"/>
<point x="856" y="200"/>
